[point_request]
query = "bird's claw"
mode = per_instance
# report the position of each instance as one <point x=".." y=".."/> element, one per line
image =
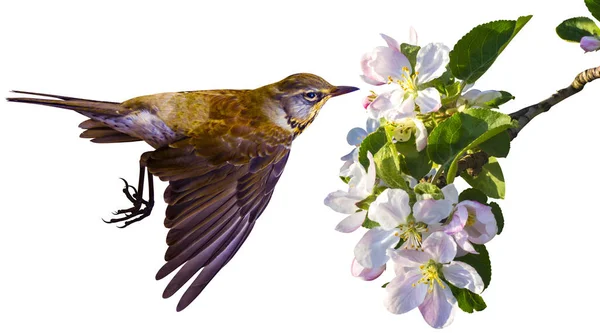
<point x="140" y="209"/>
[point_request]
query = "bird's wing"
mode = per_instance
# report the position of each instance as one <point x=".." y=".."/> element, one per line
<point x="218" y="186"/>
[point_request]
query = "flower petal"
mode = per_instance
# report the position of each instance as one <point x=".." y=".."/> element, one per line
<point x="391" y="42"/>
<point x="420" y="135"/>
<point x="342" y="201"/>
<point x="439" y="307"/>
<point x="589" y="43"/>
<point x="402" y="296"/>
<point x="462" y="240"/>
<point x="390" y="208"/>
<point x="406" y="259"/>
<point x="372" y="125"/>
<point x="463" y="275"/>
<point x="388" y="62"/>
<point x="413" y="38"/>
<point x="431" y="61"/>
<point x="429" y="100"/>
<point x="370" y="251"/>
<point x="440" y="246"/>
<point x="458" y="221"/>
<point x="352" y="222"/>
<point x="380" y="106"/>
<point x="484" y="228"/>
<point x="430" y="211"/>
<point x="366" y="274"/>
<point x="450" y="193"/>
<point x="356" y="136"/>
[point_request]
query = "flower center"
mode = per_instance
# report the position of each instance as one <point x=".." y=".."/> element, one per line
<point x="412" y="233"/>
<point x="471" y="219"/>
<point x="408" y="82"/>
<point x="404" y="129"/>
<point x="431" y="274"/>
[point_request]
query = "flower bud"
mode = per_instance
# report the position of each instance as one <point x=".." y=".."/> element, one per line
<point x="589" y="43"/>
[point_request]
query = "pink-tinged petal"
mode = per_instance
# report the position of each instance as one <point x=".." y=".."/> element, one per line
<point x="366" y="274"/>
<point x="420" y="135"/>
<point x="407" y="107"/>
<point x="369" y="74"/>
<point x="450" y="193"/>
<point x="589" y="43"/>
<point x="356" y="136"/>
<point x="439" y="307"/>
<point x="413" y="38"/>
<point x="430" y="211"/>
<point x="431" y="62"/>
<point x="342" y="201"/>
<point x="484" y="228"/>
<point x="370" y="251"/>
<point x="352" y="222"/>
<point x="463" y="275"/>
<point x="462" y="240"/>
<point x="380" y="105"/>
<point x="367" y="100"/>
<point x="458" y="221"/>
<point x="388" y="62"/>
<point x="429" y="100"/>
<point x="405" y="293"/>
<point x="390" y="208"/>
<point x="407" y="259"/>
<point x="391" y="42"/>
<point x="440" y="247"/>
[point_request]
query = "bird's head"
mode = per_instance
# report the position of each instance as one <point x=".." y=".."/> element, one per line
<point x="301" y="96"/>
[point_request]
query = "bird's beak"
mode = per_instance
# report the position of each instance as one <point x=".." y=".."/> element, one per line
<point x="340" y="90"/>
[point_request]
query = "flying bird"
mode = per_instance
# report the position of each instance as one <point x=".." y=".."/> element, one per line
<point x="222" y="152"/>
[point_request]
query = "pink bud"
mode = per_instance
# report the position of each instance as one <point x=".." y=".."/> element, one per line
<point x="366" y="101"/>
<point x="589" y="43"/>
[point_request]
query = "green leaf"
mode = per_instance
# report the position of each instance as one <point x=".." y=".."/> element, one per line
<point x="594" y="8"/>
<point x="475" y="52"/>
<point x="480" y="262"/>
<point x="472" y="194"/>
<point x="498" y="215"/>
<point x="410" y="51"/>
<point x="414" y="163"/>
<point x="490" y="180"/>
<point x="463" y="131"/>
<point x="424" y="188"/>
<point x="574" y="29"/>
<point x="467" y="300"/>
<point x="345" y="179"/>
<point x="387" y="161"/>
<point x="497" y="146"/>
<point x="385" y="284"/>
<point x="504" y="97"/>
<point x="369" y="224"/>
<point x="372" y="143"/>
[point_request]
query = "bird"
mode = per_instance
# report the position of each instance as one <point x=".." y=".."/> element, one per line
<point x="222" y="153"/>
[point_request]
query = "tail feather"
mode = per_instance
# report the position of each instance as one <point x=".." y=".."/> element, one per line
<point x="80" y="105"/>
<point x="95" y="130"/>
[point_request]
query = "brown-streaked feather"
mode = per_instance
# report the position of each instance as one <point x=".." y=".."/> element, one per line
<point x="213" y="200"/>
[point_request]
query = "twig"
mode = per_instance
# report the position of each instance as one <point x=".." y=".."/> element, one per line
<point x="473" y="163"/>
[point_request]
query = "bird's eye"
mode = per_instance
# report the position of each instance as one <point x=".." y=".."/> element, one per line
<point x="311" y="96"/>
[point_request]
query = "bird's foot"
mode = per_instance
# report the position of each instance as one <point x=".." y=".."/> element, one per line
<point x="141" y="208"/>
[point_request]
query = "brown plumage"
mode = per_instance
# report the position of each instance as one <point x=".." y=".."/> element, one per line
<point x="222" y="152"/>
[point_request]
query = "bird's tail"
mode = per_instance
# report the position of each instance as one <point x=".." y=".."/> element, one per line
<point x="96" y="110"/>
<point x="76" y="104"/>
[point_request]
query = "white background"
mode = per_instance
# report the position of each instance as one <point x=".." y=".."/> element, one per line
<point x="65" y="272"/>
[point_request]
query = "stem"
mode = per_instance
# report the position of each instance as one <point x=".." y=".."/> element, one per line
<point x="437" y="175"/>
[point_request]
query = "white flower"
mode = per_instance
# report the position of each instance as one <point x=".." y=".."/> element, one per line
<point x="392" y="211"/>
<point x="589" y="43"/>
<point x="360" y="186"/>
<point x="471" y="222"/>
<point x="420" y="276"/>
<point x="355" y="137"/>
<point x="383" y="63"/>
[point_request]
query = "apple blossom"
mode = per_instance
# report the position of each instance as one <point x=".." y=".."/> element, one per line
<point x="421" y="277"/>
